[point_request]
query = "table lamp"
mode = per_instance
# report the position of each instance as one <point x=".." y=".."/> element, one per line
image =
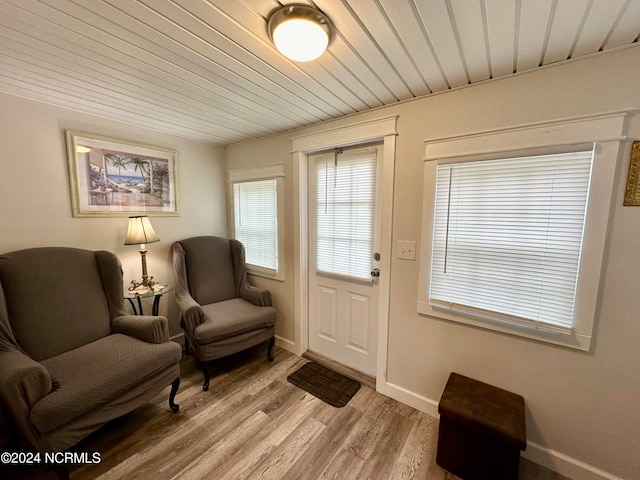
<point x="140" y="232"/>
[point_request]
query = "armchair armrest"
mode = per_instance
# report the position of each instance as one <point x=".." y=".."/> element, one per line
<point x="191" y="313"/>
<point x="152" y="329"/>
<point x="257" y="296"/>
<point x="23" y="382"/>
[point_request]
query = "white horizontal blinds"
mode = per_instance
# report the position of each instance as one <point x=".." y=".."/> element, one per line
<point x="256" y="221"/>
<point x="345" y="199"/>
<point x="508" y="236"/>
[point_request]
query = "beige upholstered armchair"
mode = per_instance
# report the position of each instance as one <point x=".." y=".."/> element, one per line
<point x="71" y="358"/>
<point x="220" y="312"/>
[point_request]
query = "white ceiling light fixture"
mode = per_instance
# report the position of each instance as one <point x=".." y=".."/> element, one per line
<point x="300" y="32"/>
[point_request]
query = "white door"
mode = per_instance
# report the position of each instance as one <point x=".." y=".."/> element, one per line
<point x="343" y="244"/>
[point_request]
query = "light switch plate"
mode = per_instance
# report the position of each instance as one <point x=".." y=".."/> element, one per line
<point x="407" y="249"/>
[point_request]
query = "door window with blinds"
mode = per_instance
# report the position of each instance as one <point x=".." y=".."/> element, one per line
<point x="257" y="221"/>
<point x="507" y="238"/>
<point x="345" y="213"/>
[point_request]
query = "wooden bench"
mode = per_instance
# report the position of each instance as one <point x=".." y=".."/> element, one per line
<point x="482" y="430"/>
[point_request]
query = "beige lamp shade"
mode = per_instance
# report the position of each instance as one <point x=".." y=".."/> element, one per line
<point x="140" y="231"/>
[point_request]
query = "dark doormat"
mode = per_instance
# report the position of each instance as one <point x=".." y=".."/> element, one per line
<point x="327" y="385"/>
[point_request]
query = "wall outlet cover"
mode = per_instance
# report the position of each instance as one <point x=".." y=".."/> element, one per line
<point x="406" y="249"/>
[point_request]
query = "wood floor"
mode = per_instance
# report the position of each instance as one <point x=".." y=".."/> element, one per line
<point x="253" y="424"/>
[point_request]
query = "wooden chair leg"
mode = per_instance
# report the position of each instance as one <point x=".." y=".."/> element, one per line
<point x="172" y="396"/>
<point x="205" y="371"/>
<point x="272" y="342"/>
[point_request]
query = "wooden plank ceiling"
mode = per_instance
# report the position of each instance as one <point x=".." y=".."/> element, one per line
<point x="206" y="69"/>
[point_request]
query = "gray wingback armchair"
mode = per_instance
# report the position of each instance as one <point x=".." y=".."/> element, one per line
<point x="71" y="358"/>
<point x="220" y="312"/>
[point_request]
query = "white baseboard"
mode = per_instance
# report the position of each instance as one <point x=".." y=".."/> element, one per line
<point x="414" y="400"/>
<point x="286" y="344"/>
<point x="556" y="461"/>
<point x="563" y="464"/>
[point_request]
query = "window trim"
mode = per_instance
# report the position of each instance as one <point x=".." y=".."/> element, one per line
<point x="605" y="134"/>
<point x="254" y="174"/>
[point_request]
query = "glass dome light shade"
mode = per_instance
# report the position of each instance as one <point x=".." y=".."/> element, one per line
<point x="300" y="32"/>
<point x="300" y="40"/>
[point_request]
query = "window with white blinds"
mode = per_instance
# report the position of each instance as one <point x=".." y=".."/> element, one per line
<point x="507" y="238"/>
<point x="345" y="216"/>
<point x="256" y="221"/>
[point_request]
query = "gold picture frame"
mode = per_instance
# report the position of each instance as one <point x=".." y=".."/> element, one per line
<point x="117" y="178"/>
<point x="632" y="193"/>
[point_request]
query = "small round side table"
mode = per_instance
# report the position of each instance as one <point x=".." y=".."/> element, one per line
<point x="155" y="293"/>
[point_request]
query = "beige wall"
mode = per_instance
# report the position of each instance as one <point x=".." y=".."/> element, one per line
<point x="249" y="155"/>
<point x="35" y="199"/>
<point x="579" y="404"/>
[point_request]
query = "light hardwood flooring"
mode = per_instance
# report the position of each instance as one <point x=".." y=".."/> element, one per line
<point x="253" y="424"/>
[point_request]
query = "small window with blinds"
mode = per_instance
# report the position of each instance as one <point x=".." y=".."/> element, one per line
<point x="256" y="221"/>
<point x="345" y="216"/>
<point x="507" y="238"/>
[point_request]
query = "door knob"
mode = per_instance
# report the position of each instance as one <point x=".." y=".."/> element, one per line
<point x="375" y="272"/>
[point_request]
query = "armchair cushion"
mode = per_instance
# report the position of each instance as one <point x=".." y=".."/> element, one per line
<point x="232" y="317"/>
<point x="208" y="255"/>
<point x="82" y="388"/>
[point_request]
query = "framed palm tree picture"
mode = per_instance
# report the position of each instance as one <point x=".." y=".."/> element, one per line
<point x="632" y="192"/>
<point x="117" y="178"/>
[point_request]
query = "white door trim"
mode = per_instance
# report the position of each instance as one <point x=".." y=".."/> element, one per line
<point x="382" y="129"/>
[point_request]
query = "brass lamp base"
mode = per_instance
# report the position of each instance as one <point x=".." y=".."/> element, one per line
<point x="146" y="282"/>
